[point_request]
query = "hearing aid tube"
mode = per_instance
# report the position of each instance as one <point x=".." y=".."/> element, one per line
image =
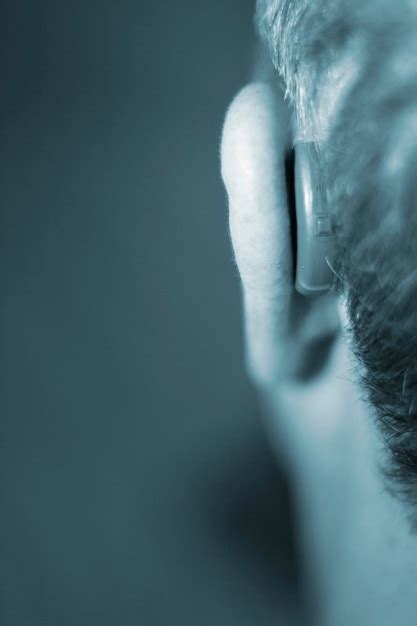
<point x="315" y="227"/>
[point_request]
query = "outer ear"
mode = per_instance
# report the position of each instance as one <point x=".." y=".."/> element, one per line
<point x="278" y="322"/>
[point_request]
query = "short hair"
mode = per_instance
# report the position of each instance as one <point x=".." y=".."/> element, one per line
<point x="369" y="161"/>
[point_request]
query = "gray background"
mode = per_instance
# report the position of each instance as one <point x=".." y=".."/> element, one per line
<point x="136" y="483"/>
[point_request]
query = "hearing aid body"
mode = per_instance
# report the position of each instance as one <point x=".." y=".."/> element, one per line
<point x="315" y="228"/>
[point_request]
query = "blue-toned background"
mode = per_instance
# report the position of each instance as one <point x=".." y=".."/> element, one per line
<point x="136" y="483"/>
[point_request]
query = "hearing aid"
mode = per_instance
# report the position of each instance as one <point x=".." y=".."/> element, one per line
<point x="314" y="224"/>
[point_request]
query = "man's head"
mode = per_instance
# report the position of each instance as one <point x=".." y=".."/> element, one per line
<point x="365" y="53"/>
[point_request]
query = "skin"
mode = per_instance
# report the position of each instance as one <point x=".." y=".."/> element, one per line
<point x="360" y="558"/>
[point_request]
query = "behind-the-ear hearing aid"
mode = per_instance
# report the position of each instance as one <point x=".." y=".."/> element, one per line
<point x="315" y="228"/>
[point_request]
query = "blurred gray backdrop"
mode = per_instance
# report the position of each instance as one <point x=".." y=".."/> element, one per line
<point x="136" y="482"/>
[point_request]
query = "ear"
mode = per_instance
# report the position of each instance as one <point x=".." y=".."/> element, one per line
<point x="279" y="323"/>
